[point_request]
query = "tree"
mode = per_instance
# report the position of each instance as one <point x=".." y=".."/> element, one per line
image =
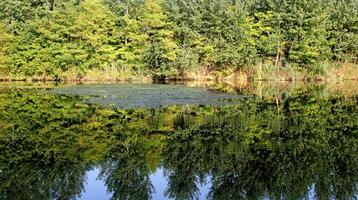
<point x="5" y="42"/>
<point x="97" y="28"/>
<point x="343" y="29"/>
<point x="169" y="38"/>
<point x="132" y="39"/>
<point x="73" y="38"/>
<point x="300" y="29"/>
<point x="185" y="16"/>
<point x="161" y="50"/>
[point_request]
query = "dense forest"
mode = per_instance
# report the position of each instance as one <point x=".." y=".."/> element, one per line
<point x="170" y="38"/>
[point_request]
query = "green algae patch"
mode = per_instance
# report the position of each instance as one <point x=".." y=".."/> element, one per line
<point x="148" y="95"/>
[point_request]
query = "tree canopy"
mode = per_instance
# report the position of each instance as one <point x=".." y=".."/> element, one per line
<point x="168" y="38"/>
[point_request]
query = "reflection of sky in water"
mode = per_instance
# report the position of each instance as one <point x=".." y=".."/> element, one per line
<point x="160" y="183"/>
<point x="96" y="190"/>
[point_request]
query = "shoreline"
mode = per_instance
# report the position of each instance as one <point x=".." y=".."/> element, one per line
<point x="262" y="89"/>
<point x="342" y="72"/>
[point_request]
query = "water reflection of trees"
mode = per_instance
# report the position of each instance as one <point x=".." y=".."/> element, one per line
<point x="258" y="148"/>
<point x="37" y="181"/>
<point x="125" y="170"/>
<point x="255" y="157"/>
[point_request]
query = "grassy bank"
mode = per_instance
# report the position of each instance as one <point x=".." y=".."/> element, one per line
<point x="266" y="72"/>
<point x="269" y="72"/>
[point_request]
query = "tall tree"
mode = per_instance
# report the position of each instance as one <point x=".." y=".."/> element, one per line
<point x="133" y="42"/>
<point x="186" y="20"/>
<point x="161" y="51"/>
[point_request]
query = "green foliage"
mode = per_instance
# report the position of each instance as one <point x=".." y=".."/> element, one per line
<point x="15" y="13"/>
<point x="169" y="38"/>
<point x="223" y="39"/>
<point x="5" y="40"/>
<point x="133" y="45"/>
<point x="299" y="28"/>
<point x="71" y="38"/>
<point x="161" y="50"/>
<point x="343" y="29"/>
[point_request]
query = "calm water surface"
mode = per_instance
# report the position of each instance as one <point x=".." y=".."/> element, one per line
<point x="131" y="141"/>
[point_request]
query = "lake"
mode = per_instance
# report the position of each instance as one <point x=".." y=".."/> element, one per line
<point x="179" y="141"/>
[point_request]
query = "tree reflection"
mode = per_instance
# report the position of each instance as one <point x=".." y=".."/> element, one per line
<point x="259" y="148"/>
<point x="125" y="170"/>
<point x="34" y="181"/>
